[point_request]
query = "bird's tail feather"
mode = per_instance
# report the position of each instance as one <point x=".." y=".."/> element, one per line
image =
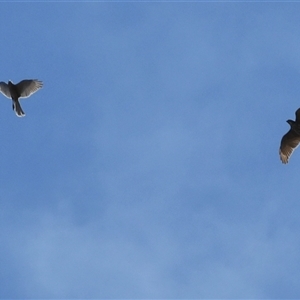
<point x="18" y="109"/>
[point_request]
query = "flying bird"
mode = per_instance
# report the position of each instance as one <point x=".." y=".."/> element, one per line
<point x="23" y="89"/>
<point x="291" y="139"/>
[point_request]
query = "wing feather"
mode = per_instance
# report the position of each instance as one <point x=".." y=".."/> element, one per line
<point x="4" y="89"/>
<point x="289" y="143"/>
<point x="27" y="87"/>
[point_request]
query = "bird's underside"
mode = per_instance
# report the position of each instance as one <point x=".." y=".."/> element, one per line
<point x="290" y="141"/>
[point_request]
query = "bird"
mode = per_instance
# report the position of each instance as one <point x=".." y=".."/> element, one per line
<point x="290" y="141"/>
<point x="23" y="89"/>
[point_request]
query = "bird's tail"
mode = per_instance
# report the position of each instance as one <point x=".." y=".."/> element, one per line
<point x="18" y="109"/>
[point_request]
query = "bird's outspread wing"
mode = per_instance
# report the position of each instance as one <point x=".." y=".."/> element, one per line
<point x="27" y="87"/>
<point x="4" y="89"/>
<point x="289" y="143"/>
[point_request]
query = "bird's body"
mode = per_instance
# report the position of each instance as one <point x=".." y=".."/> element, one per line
<point x="23" y="89"/>
<point x="290" y="141"/>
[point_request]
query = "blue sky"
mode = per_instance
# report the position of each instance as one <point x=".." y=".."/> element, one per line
<point x="148" y="166"/>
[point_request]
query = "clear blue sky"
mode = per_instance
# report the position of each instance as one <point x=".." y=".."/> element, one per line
<point x="148" y="166"/>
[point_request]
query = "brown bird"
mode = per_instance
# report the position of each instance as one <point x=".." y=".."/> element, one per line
<point x="291" y="139"/>
<point x="23" y="89"/>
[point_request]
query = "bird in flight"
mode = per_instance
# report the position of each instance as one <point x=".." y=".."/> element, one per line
<point x="291" y="139"/>
<point x="23" y="89"/>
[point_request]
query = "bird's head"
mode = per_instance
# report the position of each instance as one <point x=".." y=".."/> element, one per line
<point x="291" y="122"/>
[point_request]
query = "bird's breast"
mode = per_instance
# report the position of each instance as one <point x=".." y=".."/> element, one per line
<point x="14" y="92"/>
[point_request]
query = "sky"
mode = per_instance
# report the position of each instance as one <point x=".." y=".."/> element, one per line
<point x="147" y="166"/>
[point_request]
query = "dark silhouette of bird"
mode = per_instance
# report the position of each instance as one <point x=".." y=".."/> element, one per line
<point x="23" y="89"/>
<point x="291" y="139"/>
